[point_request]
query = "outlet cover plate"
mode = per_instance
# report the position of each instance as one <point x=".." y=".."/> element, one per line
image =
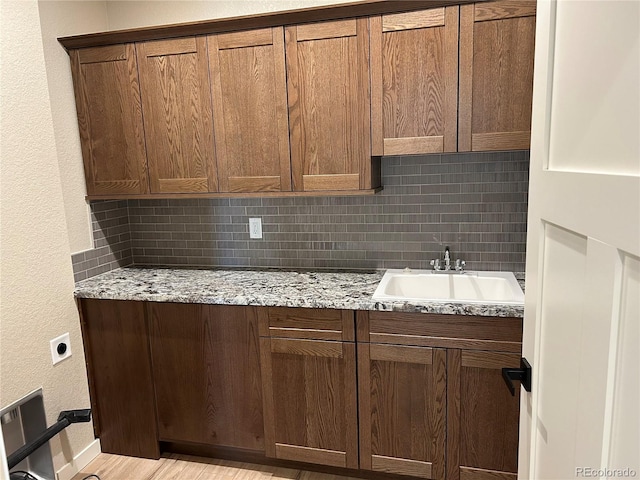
<point x="55" y="343"/>
<point x="255" y="228"/>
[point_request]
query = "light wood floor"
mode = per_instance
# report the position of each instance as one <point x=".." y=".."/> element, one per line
<point x="182" y="467"/>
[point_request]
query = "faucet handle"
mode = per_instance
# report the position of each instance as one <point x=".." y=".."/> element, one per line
<point x="460" y="265"/>
<point x="435" y="264"/>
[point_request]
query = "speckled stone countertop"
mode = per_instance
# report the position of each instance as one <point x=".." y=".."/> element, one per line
<point x="350" y="291"/>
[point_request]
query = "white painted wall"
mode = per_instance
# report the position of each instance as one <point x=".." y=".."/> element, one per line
<point x="132" y="14"/>
<point x="58" y="19"/>
<point x="36" y="280"/>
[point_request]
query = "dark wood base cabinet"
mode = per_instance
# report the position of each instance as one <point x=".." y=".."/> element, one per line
<point x="482" y="416"/>
<point x="423" y="376"/>
<point x="309" y="385"/>
<point x="206" y="372"/>
<point x="402" y="409"/>
<point x="369" y="394"/>
<point x="119" y="369"/>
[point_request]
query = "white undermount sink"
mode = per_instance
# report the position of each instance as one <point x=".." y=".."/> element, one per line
<point x="468" y="287"/>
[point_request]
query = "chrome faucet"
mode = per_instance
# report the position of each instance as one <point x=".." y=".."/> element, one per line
<point x="446" y="265"/>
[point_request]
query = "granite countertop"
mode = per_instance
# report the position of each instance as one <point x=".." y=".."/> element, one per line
<point x="350" y="291"/>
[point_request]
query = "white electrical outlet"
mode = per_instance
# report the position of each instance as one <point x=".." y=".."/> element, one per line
<point x="255" y="228"/>
<point x="60" y="348"/>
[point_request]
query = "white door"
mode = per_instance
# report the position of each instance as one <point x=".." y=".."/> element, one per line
<point x="582" y="313"/>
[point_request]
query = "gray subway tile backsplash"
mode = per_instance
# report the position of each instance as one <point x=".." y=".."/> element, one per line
<point x="475" y="203"/>
<point x="112" y="241"/>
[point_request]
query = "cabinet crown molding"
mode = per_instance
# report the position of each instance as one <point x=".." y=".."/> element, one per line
<point x="363" y="8"/>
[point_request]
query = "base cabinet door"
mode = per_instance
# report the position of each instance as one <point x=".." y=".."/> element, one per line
<point x="402" y="409"/>
<point x="117" y="353"/>
<point x="482" y="416"/>
<point x="206" y="371"/>
<point x="309" y="389"/>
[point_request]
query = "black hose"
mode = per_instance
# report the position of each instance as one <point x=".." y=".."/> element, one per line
<point x="65" y="419"/>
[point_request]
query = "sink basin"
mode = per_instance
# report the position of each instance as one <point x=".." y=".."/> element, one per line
<point x="468" y="287"/>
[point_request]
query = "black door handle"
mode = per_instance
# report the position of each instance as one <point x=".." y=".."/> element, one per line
<point x="522" y="374"/>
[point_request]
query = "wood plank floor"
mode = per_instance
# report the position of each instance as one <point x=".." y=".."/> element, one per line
<point x="183" y="467"/>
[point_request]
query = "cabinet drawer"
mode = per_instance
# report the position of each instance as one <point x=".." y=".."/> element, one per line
<point x="311" y="323"/>
<point x="444" y="331"/>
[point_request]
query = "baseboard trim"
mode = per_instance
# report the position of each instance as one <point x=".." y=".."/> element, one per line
<point x="79" y="461"/>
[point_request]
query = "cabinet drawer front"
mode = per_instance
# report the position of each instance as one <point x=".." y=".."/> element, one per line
<point x="310" y="323"/>
<point x="445" y="331"/>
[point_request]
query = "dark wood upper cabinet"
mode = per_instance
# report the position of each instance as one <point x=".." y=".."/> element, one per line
<point x="271" y="105"/>
<point x="248" y="83"/>
<point x="107" y="96"/>
<point x="414" y="82"/>
<point x="329" y="105"/>
<point x="176" y="100"/>
<point x="496" y="75"/>
<point x="402" y="404"/>
<point x="206" y="372"/>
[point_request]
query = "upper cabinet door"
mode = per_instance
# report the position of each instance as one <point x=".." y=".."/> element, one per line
<point x="414" y="82"/>
<point x="176" y="100"/>
<point x="110" y="119"/>
<point x="329" y="105"/>
<point x="248" y="83"/>
<point x="496" y="75"/>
